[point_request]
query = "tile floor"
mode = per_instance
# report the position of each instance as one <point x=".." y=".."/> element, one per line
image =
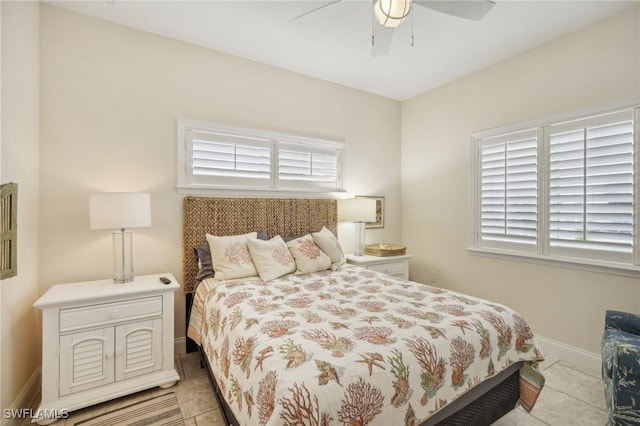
<point x="195" y="396"/>
<point x="570" y="397"/>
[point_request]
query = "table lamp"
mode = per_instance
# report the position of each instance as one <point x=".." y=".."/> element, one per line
<point x="358" y="211"/>
<point x="121" y="211"/>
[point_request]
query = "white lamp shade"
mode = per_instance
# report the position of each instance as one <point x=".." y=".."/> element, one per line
<point x="357" y="210"/>
<point x="119" y="210"/>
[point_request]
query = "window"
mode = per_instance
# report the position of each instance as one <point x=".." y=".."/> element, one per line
<point x="215" y="157"/>
<point x="509" y="190"/>
<point x="303" y="164"/>
<point x="591" y="168"/>
<point x="565" y="189"/>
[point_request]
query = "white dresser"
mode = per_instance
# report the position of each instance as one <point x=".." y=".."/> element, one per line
<point x="102" y="340"/>
<point x="396" y="266"/>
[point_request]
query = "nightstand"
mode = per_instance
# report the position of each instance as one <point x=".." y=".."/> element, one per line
<point x="396" y="266"/>
<point x="102" y="340"/>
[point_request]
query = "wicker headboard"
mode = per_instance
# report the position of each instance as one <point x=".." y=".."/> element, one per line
<point x="232" y="216"/>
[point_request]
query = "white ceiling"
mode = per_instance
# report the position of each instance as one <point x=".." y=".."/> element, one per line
<point x="334" y="43"/>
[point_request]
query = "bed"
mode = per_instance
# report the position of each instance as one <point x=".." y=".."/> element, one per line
<point x="350" y="345"/>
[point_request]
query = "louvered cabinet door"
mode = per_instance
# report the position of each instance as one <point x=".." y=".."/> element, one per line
<point x="86" y="360"/>
<point x="138" y="348"/>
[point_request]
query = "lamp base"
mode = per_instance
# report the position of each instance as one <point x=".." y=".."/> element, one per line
<point x="122" y="257"/>
<point x="360" y="230"/>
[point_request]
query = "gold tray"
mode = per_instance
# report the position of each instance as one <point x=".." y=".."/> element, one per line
<point x="384" y="250"/>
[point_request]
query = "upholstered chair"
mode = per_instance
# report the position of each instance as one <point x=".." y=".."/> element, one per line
<point x="621" y="367"/>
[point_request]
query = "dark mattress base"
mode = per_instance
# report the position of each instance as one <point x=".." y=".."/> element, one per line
<point x="489" y="407"/>
<point x="481" y="411"/>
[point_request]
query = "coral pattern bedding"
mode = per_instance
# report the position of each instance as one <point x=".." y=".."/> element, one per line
<point x="351" y="346"/>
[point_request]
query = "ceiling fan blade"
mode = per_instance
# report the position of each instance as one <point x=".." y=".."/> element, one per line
<point x="469" y="9"/>
<point x="315" y="10"/>
<point x="381" y="41"/>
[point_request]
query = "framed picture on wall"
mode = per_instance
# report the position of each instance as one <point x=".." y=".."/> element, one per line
<point x="379" y="222"/>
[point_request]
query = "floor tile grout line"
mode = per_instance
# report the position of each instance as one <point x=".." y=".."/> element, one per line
<point x="572" y="367"/>
<point x="521" y="407"/>
<point x="206" y="412"/>
<point x="581" y="371"/>
<point x="540" y="420"/>
<point x="548" y="367"/>
<point x="575" y="397"/>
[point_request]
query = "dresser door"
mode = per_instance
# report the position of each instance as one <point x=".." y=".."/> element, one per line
<point x="86" y="360"/>
<point x="138" y="348"/>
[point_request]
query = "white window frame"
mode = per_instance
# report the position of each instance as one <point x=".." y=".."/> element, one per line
<point x="542" y="253"/>
<point x="188" y="183"/>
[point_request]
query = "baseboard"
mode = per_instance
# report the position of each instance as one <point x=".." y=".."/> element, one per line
<point x="23" y="402"/>
<point x="584" y="360"/>
<point x="180" y="346"/>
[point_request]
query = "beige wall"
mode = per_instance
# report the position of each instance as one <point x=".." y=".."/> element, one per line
<point x="109" y="101"/>
<point x="1" y="180"/>
<point x="595" y="65"/>
<point x="109" y="97"/>
<point x="19" y="163"/>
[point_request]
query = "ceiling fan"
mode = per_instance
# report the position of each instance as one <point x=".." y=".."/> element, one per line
<point x="389" y="14"/>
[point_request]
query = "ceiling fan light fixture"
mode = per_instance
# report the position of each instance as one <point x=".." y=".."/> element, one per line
<point x="391" y="13"/>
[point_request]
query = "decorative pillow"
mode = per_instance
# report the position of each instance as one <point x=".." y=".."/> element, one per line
<point x="205" y="265"/>
<point x="329" y="244"/>
<point x="272" y="258"/>
<point x="230" y="256"/>
<point x="203" y="258"/>
<point x="309" y="258"/>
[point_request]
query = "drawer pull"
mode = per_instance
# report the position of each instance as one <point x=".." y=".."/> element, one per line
<point x="109" y="354"/>
<point x="118" y="352"/>
<point x="114" y="314"/>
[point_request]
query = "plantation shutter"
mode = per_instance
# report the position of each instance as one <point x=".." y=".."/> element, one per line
<point x="232" y="159"/>
<point x="509" y="190"/>
<point x="305" y="165"/>
<point x="8" y="230"/>
<point x="591" y="185"/>
<point x="212" y="157"/>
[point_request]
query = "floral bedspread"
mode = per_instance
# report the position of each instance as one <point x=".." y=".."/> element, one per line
<point x="351" y="346"/>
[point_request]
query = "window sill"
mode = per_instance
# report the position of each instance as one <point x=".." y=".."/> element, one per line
<point x="611" y="268"/>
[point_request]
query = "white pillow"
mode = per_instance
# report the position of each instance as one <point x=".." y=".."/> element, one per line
<point x="309" y="258"/>
<point x="230" y="256"/>
<point x="329" y="244"/>
<point x="272" y="258"/>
